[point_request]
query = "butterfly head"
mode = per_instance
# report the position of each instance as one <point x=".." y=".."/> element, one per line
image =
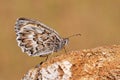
<point x="65" y="41"/>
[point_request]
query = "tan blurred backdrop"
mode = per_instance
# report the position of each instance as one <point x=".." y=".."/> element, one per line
<point x="97" y="20"/>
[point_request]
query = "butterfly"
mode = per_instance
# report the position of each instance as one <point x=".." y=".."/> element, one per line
<point x="37" y="39"/>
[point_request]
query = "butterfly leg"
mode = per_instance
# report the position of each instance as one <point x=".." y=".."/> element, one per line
<point x="46" y="58"/>
<point x="64" y="49"/>
<point x="38" y="65"/>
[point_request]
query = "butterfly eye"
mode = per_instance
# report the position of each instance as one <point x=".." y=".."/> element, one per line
<point x="65" y="41"/>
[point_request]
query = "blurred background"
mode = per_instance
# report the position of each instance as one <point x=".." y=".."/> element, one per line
<point x="97" y="20"/>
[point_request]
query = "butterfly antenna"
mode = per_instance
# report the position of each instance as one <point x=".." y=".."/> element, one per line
<point x="74" y="35"/>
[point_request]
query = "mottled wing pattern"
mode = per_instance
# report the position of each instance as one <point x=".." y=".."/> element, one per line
<point x="35" y="38"/>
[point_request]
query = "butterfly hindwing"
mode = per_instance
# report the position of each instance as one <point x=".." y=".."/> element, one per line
<point x="35" y="38"/>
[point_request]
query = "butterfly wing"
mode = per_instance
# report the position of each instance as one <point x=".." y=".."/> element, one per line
<point x="35" y="38"/>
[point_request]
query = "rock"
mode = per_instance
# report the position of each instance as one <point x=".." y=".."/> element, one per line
<point x="101" y="63"/>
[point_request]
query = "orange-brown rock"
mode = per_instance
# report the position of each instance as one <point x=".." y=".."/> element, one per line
<point x="101" y="63"/>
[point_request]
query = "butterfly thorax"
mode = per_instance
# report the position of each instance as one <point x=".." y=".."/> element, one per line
<point x="61" y="44"/>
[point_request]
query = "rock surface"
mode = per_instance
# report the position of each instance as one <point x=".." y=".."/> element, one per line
<point x="101" y="63"/>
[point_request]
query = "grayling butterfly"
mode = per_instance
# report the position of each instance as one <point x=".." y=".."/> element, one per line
<point x="37" y="39"/>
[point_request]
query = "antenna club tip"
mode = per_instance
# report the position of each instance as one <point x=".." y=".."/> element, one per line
<point x="80" y="34"/>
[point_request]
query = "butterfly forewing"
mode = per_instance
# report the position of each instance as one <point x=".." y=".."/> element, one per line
<point x="37" y="39"/>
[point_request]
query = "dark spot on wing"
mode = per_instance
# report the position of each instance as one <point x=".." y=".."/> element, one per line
<point x="21" y="44"/>
<point x="38" y="25"/>
<point x="22" y="34"/>
<point x="19" y="39"/>
<point x="39" y="42"/>
<point x="32" y="51"/>
<point x="22" y="18"/>
<point x="36" y="48"/>
<point x="48" y="44"/>
<point x="34" y="39"/>
<point x="43" y="45"/>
